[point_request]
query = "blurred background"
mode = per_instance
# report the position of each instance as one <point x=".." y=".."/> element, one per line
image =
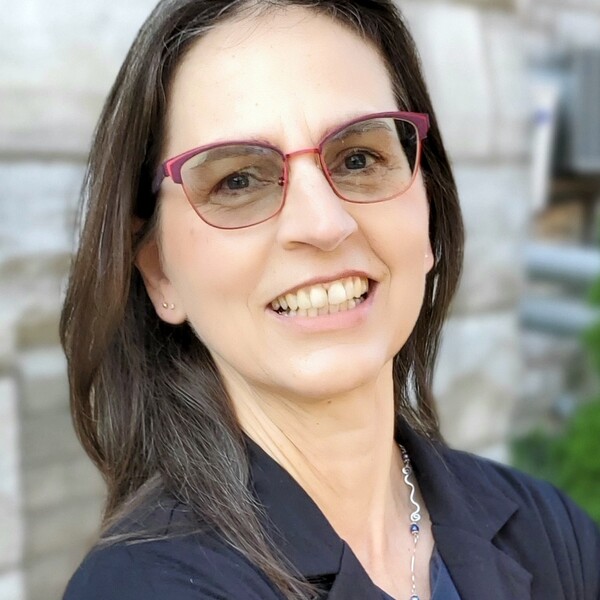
<point x="516" y="84"/>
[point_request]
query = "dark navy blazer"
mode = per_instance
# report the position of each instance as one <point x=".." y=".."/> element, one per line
<point x="501" y="534"/>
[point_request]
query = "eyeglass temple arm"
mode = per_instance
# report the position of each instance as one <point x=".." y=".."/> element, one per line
<point x="159" y="177"/>
<point x="422" y="122"/>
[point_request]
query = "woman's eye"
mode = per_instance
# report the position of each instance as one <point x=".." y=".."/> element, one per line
<point x="237" y="181"/>
<point x="358" y="160"/>
<point x="239" y="188"/>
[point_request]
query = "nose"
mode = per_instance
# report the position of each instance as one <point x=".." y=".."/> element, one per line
<point x="312" y="213"/>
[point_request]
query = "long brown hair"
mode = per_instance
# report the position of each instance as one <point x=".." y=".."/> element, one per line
<point x="147" y="400"/>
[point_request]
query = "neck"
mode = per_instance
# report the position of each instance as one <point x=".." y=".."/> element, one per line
<point x="341" y="450"/>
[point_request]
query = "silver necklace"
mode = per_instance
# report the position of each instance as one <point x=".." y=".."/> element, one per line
<point x="415" y="517"/>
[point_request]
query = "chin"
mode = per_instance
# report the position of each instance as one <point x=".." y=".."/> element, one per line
<point x="323" y="375"/>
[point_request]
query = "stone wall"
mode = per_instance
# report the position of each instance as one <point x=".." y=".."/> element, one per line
<point x="477" y="82"/>
<point x="56" y="64"/>
<point x="56" y="509"/>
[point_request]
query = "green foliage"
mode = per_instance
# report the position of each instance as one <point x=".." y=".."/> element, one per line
<point x="591" y="337"/>
<point x="579" y="458"/>
<point x="535" y="453"/>
<point x="594" y="294"/>
<point x="570" y="460"/>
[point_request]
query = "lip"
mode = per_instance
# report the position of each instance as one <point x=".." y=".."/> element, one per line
<point x="323" y="279"/>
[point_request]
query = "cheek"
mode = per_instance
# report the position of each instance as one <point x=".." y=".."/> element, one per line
<point x="189" y="261"/>
<point x="398" y="232"/>
<point x="399" y="236"/>
<point x="214" y="274"/>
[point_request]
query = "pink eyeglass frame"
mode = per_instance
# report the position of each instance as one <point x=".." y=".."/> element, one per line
<point x="172" y="166"/>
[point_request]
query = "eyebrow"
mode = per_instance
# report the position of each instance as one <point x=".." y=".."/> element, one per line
<point x="361" y="127"/>
<point x="235" y="149"/>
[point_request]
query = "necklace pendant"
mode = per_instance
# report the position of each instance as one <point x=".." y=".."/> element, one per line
<point x="415" y="517"/>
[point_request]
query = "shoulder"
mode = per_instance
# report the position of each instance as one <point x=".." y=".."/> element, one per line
<point x="531" y="495"/>
<point x="195" y="566"/>
<point x="546" y="522"/>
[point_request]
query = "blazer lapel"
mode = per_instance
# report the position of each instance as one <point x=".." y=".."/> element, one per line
<point x="304" y="535"/>
<point x="466" y="516"/>
<point x="478" y="568"/>
<point x="352" y="581"/>
<point x="293" y="520"/>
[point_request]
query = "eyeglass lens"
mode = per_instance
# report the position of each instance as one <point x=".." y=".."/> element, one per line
<point x="234" y="186"/>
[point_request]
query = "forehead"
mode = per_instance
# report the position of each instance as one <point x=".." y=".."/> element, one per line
<point x="285" y="77"/>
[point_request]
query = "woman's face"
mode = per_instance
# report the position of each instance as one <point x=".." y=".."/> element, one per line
<point x="287" y="78"/>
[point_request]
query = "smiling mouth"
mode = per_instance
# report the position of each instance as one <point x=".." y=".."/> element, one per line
<point x="324" y="298"/>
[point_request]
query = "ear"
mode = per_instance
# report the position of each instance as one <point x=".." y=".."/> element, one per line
<point x="167" y="304"/>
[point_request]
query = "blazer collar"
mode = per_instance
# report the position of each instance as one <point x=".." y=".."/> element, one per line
<point x="301" y="531"/>
<point x="466" y="511"/>
<point x="295" y="522"/>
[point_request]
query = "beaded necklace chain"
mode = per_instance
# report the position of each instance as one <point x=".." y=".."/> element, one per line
<point x="415" y="517"/>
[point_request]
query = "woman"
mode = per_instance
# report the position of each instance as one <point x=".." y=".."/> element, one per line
<point x="271" y="243"/>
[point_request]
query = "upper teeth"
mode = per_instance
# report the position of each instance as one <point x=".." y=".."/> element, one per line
<point x="323" y="294"/>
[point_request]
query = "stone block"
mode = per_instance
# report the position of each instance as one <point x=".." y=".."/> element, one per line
<point x="60" y="528"/>
<point x="36" y="240"/>
<point x="48" y="437"/>
<point x="7" y="342"/>
<point x="476" y="79"/>
<point x="46" y="577"/>
<point x="476" y="380"/>
<point x="495" y="206"/>
<point x="38" y="204"/>
<point x="498" y="452"/>
<point x="39" y="328"/>
<point x="56" y="66"/>
<point x="60" y="483"/>
<point x="507" y="69"/>
<point x="578" y="27"/>
<point x="456" y="73"/>
<point x="43" y="376"/>
<point x="31" y="290"/>
<point x="12" y="585"/>
<point x="10" y="497"/>
<point x="34" y="274"/>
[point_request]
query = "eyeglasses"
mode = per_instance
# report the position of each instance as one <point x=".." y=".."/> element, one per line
<point x="238" y="184"/>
